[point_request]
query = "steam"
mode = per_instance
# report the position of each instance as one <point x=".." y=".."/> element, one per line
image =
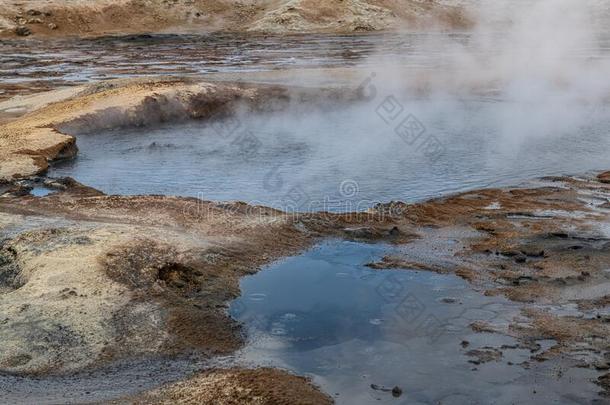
<point x="513" y="98"/>
<point x="540" y="61"/>
<point x="524" y="95"/>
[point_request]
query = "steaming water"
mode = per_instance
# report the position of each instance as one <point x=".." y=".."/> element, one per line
<point x="346" y="158"/>
<point x="326" y="315"/>
<point x="323" y="313"/>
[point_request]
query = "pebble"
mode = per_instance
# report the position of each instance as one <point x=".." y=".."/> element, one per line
<point x="23" y="31"/>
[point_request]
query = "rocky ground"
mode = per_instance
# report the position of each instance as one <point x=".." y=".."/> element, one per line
<point x="88" y="279"/>
<point x="102" y="17"/>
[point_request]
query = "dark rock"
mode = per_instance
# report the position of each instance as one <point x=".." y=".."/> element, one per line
<point x="533" y="253"/>
<point x="23" y="31"/>
<point x="601" y="365"/>
<point x="484" y="355"/>
<point x="509" y="253"/>
<point x="520" y="259"/>
<point x="396" y="391"/>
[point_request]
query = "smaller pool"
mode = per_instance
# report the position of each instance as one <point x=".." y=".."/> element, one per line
<point x="326" y="315"/>
<point x="41" y="191"/>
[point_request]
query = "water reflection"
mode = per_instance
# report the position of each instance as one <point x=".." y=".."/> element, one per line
<point x="327" y="315"/>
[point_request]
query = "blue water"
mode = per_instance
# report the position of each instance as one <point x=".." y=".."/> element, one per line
<point x="40" y="191"/>
<point x="326" y="315"/>
<point x="343" y="158"/>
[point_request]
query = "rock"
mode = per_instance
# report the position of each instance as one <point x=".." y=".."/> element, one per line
<point x="604" y="177"/>
<point x="23" y="31"/>
<point x="394" y="231"/>
<point x="520" y="259"/>
<point x="34" y="21"/>
<point x="33" y="12"/>
<point x="601" y="365"/>
<point x="396" y="391"/>
<point x="360" y="232"/>
<point x="484" y="355"/>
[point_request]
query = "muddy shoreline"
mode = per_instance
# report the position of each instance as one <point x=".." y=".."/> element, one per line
<point x="88" y="279"/>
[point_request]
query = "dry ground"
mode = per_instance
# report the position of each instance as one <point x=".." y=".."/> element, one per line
<point x="43" y="18"/>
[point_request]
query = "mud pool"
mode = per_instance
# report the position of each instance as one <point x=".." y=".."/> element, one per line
<point x="340" y="159"/>
<point x="326" y="315"/>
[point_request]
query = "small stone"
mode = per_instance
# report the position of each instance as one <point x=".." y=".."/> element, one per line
<point x="602" y="366"/>
<point x="520" y="259"/>
<point x="396" y="392"/>
<point x="23" y="31"/>
<point x="52" y="26"/>
<point x="604" y="177"/>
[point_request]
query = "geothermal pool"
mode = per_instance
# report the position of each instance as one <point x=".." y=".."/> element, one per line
<point x="326" y="315"/>
<point x="346" y="158"/>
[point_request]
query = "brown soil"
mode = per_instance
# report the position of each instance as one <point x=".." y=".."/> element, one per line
<point x="261" y="386"/>
<point x="52" y="18"/>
